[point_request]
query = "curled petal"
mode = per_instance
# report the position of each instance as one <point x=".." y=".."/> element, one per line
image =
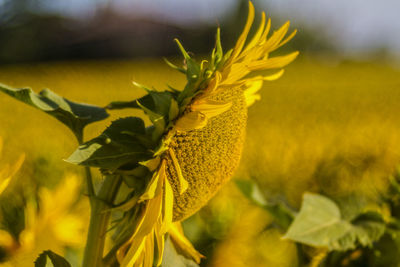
<point x="251" y="92"/>
<point x="191" y="121"/>
<point x="183" y="183"/>
<point x="155" y="185"/>
<point x="180" y="241"/>
<point x="211" y="108"/>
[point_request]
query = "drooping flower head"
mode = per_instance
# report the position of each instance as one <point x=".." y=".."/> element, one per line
<point x="200" y="134"/>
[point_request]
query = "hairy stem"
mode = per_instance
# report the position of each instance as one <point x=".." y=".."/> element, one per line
<point x="99" y="219"/>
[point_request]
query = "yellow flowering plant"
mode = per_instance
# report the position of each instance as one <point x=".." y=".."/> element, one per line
<point x="174" y="166"/>
<point x="52" y="222"/>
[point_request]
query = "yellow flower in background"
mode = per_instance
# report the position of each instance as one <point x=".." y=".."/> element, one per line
<point x="59" y="222"/>
<point x="202" y="149"/>
<point x="8" y="171"/>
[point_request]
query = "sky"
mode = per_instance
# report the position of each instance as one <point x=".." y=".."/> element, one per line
<point x="354" y="25"/>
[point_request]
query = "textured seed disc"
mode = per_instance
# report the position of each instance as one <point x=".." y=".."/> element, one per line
<point x="209" y="156"/>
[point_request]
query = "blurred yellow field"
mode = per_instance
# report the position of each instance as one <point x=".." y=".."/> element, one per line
<point x="316" y="116"/>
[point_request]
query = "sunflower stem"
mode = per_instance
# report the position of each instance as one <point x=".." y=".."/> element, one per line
<point x="99" y="219"/>
<point x="89" y="178"/>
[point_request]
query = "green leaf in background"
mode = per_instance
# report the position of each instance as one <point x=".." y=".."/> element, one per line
<point x="282" y="214"/>
<point x="251" y="191"/>
<point x="56" y="260"/>
<point x="74" y="115"/>
<point x="321" y="224"/>
<point x="123" y="142"/>
<point x="172" y="259"/>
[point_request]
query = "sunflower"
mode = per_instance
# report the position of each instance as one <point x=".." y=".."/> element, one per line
<point x="201" y="142"/>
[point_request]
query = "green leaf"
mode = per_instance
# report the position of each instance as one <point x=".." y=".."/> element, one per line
<point x="172" y="259"/>
<point x="281" y="213"/>
<point x="120" y="144"/>
<point x="56" y="260"/>
<point x="74" y="115"/>
<point x="158" y="122"/>
<point x="156" y="105"/>
<point x="192" y="67"/>
<point x="251" y="191"/>
<point x="161" y="102"/>
<point x="321" y="224"/>
<point x="169" y="63"/>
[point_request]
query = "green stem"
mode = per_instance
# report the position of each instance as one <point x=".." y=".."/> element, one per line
<point x="99" y="219"/>
<point x="89" y="184"/>
<point x="89" y="179"/>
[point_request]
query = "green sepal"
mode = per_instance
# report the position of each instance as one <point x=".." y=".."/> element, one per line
<point x="114" y="148"/>
<point x="55" y="259"/>
<point x="169" y="63"/>
<point x="217" y="53"/>
<point x="74" y="115"/>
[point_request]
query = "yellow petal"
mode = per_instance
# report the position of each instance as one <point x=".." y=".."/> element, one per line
<point x="139" y="262"/>
<point x="6" y="240"/>
<point x="263" y="38"/>
<point x="273" y="63"/>
<point x="9" y="172"/>
<point x="180" y="241"/>
<point x="212" y="86"/>
<point x="160" y="240"/>
<point x="167" y="207"/>
<point x="287" y="39"/>
<point x="250" y="99"/>
<point x="242" y="38"/>
<point x="151" y="164"/>
<point x="155" y="185"/>
<point x="211" y="108"/>
<point x="276" y="37"/>
<point x="191" y="121"/>
<point x="135" y="250"/>
<point x="146" y="224"/>
<point x="148" y="251"/>
<point x="274" y="76"/>
<point x="183" y="183"/>
<point x="4" y="183"/>
<point x="236" y="72"/>
<point x="250" y="93"/>
<point x="257" y="37"/>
